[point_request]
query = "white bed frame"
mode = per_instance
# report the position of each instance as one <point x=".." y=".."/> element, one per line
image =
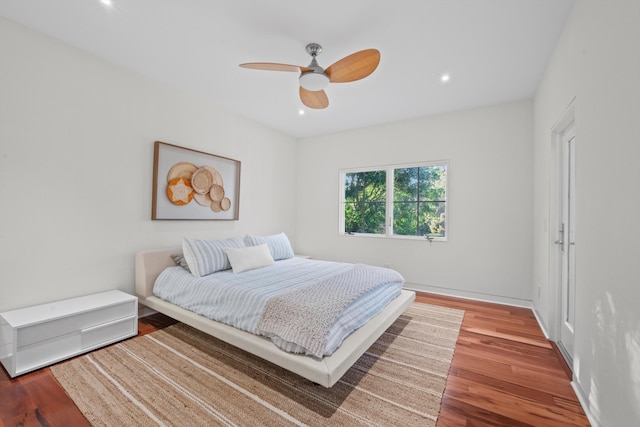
<point x="326" y="371"/>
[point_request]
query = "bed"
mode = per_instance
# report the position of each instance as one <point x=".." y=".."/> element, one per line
<point x="325" y="371"/>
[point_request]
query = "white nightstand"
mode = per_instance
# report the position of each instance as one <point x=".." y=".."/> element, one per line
<point x="37" y="336"/>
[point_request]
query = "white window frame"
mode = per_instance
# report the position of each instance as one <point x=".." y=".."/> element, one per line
<point x="389" y="169"/>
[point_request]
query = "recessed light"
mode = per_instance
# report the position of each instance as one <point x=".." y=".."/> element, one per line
<point x="108" y="3"/>
<point x="445" y="78"/>
<point x="301" y="112"/>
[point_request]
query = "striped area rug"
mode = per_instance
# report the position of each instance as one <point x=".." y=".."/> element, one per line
<point x="180" y="376"/>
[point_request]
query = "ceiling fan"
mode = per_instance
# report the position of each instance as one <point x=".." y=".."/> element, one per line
<point x="314" y="79"/>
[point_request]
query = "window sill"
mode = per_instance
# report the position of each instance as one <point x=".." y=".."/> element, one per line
<point x="395" y="237"/>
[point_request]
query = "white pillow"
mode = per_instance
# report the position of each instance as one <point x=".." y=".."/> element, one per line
<point x="249" y="258"/>
<point x="278" y="244"/>
<point x="207" y="256"/>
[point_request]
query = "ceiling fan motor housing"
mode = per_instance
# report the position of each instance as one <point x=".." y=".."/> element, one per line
<point x="315" y="79"/>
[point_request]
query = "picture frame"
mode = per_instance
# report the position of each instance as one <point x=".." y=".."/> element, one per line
<point x="193" y="185"/>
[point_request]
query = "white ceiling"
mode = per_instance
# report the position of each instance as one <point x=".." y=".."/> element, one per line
<point x="494" y="50"/>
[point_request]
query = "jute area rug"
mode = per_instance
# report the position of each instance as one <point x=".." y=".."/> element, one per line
<point x="180" y="376"/>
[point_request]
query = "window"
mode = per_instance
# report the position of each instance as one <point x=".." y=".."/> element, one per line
<point x="395" y="201"/>
<point x="365" y="199"/>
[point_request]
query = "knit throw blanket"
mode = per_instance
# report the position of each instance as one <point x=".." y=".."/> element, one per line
<point x="306" y="316"/>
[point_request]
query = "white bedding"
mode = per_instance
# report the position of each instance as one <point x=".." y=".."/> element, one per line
<point x="239" y="299"/>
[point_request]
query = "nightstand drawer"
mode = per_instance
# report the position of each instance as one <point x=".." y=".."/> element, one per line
<point x="46" y="352"/>
<point x="54" y="328"/>
<point x="113" y="331"/>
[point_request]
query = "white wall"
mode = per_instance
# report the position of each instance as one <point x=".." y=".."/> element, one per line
<point x="488" y="254"/>
<point x="597" y="61"/>
<point x="76" y="154"/>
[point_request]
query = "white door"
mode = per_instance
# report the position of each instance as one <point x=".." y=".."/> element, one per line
<point x="566" y="242"/>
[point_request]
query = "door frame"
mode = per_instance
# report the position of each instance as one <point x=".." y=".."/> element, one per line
<point x="566" y="121"/>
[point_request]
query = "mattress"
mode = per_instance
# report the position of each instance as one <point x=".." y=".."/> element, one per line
<point x="239" y="300"/>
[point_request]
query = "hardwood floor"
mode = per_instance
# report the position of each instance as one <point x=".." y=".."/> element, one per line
<point x="504" y="373"/>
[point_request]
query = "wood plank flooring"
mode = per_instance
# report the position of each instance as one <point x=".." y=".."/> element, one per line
<point x="504" y="373"/>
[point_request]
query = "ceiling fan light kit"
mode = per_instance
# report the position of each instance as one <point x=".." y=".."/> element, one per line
<point x="314" y="79"/>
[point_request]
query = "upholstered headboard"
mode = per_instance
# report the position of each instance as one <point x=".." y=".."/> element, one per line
<point x="149" y="264"/>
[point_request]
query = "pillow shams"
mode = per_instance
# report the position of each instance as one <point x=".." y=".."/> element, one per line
<point x="208" y="256"/>
<point x="278" y="244"/>
<point x="249" y="258"/>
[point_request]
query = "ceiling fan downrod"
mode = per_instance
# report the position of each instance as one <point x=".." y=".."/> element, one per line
<point x="316" y="79"/>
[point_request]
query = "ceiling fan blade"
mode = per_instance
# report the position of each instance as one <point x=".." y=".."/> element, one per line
<point x="354" y="67"/>
<point x="272" y="66"/>
<point x="314" y="99"/>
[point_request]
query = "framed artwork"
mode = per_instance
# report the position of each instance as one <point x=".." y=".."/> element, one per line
<point x="190" y="184"/>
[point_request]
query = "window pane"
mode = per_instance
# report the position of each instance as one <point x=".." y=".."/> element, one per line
<point x="365" y="198"/>
<point x="405" y="184"/>
<point x="364" y="218"/>
<point x="433" y="183"/>
<point x="419" y="201"/>
<point x="432" y="219"/>
<point x="375" y="186"/>
<point x="405" y="218"/>
<point x="419" y="219"/>
<point x="352" y="187"/>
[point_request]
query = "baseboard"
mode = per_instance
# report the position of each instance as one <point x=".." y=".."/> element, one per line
<point x="584" y="402"/>
<point x="541" y="324"/>
<point x="497" y="299"/>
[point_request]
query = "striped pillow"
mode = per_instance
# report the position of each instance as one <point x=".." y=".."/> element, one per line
<point x="208" y="256"/>
<point x="278" y="244"/>
<point x="180" y="261"/>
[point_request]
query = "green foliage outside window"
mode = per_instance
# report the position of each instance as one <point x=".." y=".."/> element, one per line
<point x="419" y="201"/>
<point x="365" y="196"/>
<point x="418" y="198"/>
